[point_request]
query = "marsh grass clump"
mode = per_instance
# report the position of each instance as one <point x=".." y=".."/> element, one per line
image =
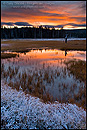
<point x="30" y="88"/>
<point x="58" y="73"/>
<point x="72" y="94"/>
<point x="40" y="73"/>
<point x="79" y="98"/>
<point x="17" y="85"/>
<point x="46" y="76"/>
<point x="19" y="75"/>
<point x="64" y="86"/>
<point x="2" y="67"/>
<point x="16" y="69"/>
<point x="30" y="79"/>
<point x="30" y="83"/>
<point x="43" y="65"/>
<point x="7" y="55"/>
<point x="11" y="84"/>
<point x="71" y="100"/>
<point x="47" y="97"/>
<point x="78" y="69"/>
<point x="38" y="84"/>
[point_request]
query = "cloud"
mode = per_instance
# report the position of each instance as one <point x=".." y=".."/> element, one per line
<point x="79" y="19"/>
<point x="22" y="24"/>
<point x="16" y="23"/>
<point x="51" y="26"/>
<point x="5" y="23"/>
<point x="43" y="12"/>
<point x="70" y="24"/>
<point x="76" y="25"/>
<point x="59" y="26"/>
<point x="57" y="15"/>
<point x="83" y="5"/>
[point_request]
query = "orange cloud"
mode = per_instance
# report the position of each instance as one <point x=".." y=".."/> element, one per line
<point x="45" y="12"/>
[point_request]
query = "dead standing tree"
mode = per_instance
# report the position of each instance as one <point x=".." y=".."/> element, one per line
<point x="66" y="38"/>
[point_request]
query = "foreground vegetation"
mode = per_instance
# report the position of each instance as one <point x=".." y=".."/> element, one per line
<point x="20" y="111"/>
<point x="7" y="55"/>
<point x="33" y="83"/>
<point x="78" y="69"/>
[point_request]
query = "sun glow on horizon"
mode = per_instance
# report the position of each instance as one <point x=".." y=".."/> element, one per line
<point x="69" y="15"/>
<point x="65" y="27"/>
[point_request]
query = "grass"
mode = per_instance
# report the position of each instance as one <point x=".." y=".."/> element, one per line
<point x="78" y="69"/>
<point x="26" y="81"/>
<point x="34" y="85"/>
<point x="22" y="45"/>
<point x="7" y="55"/>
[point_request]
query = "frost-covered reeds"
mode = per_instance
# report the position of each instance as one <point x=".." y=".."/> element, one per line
<point x="20" y="111"/>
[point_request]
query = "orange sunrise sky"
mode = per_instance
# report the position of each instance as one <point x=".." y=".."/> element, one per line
<point x="66" y="14"/>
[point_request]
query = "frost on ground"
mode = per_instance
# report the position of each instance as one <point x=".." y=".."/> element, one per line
<point x="20" y="111"/>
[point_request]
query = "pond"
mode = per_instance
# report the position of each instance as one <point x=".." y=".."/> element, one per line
<point x="44" y="73"/>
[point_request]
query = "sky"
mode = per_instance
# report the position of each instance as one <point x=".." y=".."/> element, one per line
<point x="66" y="14"/>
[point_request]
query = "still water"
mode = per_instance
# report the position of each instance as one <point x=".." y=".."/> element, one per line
<point x="47" y="56"/>
<point x="52" y="62"/>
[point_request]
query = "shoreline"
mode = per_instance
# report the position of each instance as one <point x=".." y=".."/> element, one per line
<point x="45" y="39"/>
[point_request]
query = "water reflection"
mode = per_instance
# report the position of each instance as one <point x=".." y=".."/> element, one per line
<point x="65" y="52"/>
<point x="46" y="67"/>
<point x="50" y="56"/>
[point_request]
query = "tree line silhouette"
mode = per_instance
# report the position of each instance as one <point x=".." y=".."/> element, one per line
<point x="33" y="32"/>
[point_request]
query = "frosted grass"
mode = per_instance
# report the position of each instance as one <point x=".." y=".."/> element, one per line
<point x="20" y="111"/>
